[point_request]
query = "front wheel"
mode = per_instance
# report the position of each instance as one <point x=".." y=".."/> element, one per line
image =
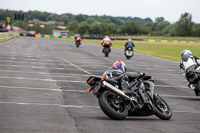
<point x="162" y="109"/>
<point x="109" y="103"/>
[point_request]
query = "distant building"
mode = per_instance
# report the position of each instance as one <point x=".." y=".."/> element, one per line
<point x="36" y="21"/>
<point x="60" y="32"/>
<point x="55" y="23"/>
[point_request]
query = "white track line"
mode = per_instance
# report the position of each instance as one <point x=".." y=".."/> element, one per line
<point x="169" y="86"/>
<point x="50" y="80"/>
<point x="42" y="73"/>
<point x="83" y="91"/>
<point x="81" y="106"/>
<point x="58" y="105"/>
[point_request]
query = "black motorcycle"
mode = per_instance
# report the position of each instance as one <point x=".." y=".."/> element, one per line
<point x="128" y="53"/>
<point x="139" y="101"/>
<point x="106" y="49"/>
<point x="193" y="77"/>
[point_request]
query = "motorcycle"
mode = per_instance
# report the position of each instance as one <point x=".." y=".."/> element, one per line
<point x="106" y="49"/>
<point x="193" y="77"/>
<point x="78" y="42"/>
<point x="140" y="101"/>
<point x="128" y="53"/>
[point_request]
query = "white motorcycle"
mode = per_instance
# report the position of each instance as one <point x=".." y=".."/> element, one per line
<point x="129" y="53"/>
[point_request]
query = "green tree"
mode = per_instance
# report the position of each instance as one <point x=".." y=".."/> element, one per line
<point x="159" y="19"/>
<point x="196" y="30"/>
<point x="131" y="28"/>
<point x="72" y="26"/>
<point x="95" y="29"/>
<point x="83" y="28"/>
<point x="184" y="26"/>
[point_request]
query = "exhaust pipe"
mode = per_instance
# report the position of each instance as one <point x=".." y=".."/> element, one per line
<point x="117" y="91"/>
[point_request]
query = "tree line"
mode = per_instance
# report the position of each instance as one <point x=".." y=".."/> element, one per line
<point x="107" y="25"/>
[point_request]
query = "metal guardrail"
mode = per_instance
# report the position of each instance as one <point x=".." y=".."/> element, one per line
<point x="112" y="38"/>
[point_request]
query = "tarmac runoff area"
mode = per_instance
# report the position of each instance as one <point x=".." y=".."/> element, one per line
<point x="43" y="89"/>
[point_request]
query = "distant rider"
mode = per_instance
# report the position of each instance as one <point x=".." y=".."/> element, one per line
<point x="129" y="44"/>
<point x="106" y="41"/>
<point x="76" y="36"/>
<point x="188" y="61"/>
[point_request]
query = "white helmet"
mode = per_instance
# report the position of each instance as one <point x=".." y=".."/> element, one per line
<point x="188" y="52"/>
<point x="107" y="39"/>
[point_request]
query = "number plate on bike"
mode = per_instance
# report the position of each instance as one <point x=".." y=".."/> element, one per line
<point x="91" y="81"/>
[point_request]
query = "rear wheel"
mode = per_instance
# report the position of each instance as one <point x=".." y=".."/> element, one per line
<point x="128" y="57"/>
<point x="77" y="44"/>
<point x="162" y="109"/>
<point x="197" y="89"/>
<point x="109" y="103"/>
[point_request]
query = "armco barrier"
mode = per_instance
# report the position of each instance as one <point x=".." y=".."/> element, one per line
<point x="52" y="36"/>
<point x="98" y="38"/>
<point x="165" y="41"/>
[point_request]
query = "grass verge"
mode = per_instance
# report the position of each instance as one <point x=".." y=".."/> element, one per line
<point x="5" y="36"/>
<point x="165" y="50"/>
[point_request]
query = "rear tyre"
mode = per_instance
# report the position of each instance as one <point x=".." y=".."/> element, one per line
<point x="110" y="106"/>
<point x="162" y="109"/>
<point x="128" y="57"/>
<point x="197" y="89"/>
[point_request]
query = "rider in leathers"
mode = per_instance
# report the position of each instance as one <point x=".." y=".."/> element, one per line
<point x="128" y="44"/>
<point x="118" y="68"/>
<point x="187" y="62"/>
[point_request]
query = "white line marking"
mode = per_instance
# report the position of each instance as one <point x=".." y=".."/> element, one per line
<point x="43" y="73"/>
<point x="185" y="111"/>
<point x="30" y="88"/>
<point x="58" y="105"/>
<point x="50" y="80"/>
<point x="82" y="106"/>
<point x="43" y="63"/>
<point x="37" y="67"/>
<point x="25" y="58"/>
<point x="169" y="86"/>
<point x="176" y="96"/>
<point x="82" y="91"/>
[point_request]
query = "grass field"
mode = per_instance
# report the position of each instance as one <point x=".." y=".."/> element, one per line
<point x="166" y="50"/>
<point x="4" y="36"/>
<point x="195" y="39"/>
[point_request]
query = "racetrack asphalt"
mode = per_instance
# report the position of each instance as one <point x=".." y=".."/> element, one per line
<point x="43" y="90"/>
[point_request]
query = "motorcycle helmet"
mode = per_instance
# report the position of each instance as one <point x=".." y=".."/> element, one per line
<point x="119" y="65"/>
<point x="188" y="52"/>
<point x="129" y="40"/>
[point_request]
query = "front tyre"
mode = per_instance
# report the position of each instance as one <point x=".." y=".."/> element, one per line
<point x="162" y="109"/>
<point x="109" y="103"/>
<point x="106" y="51"/>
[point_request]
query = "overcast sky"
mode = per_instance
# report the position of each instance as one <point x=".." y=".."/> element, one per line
<point x="169" y="9"/>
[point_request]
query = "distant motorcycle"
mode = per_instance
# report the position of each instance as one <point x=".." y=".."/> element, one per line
<point x="78" y="42"/>
<point x="141" y="101"/>
<point x="128" y="53"/>
<point x="106" y="49"/>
